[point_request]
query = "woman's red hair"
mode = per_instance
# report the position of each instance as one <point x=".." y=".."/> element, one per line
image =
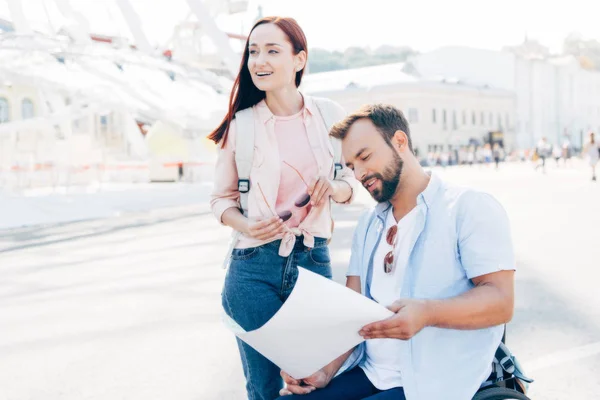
<point x="244" y="94"/>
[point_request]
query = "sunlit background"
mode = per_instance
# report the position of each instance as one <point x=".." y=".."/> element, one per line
<point x="109" y="255"/>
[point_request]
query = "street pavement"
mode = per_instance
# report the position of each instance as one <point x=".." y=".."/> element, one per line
<point x="128" y="307"/>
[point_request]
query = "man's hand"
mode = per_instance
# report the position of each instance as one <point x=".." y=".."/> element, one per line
<point x="411" y="316"/>
<point x="318" y="380"/>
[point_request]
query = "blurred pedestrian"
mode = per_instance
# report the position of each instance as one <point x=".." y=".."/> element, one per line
<point x="471" y="156"/>
<point x="556" y="153"/>
<point x="543" y="151"/>
<point x="567" y="150"/>
<point x="498" y="154"/>
<point x="592" y="152"/>
<point x="487" y="154"/>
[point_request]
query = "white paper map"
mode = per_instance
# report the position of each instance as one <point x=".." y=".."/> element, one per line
<point x="318" y="323"/>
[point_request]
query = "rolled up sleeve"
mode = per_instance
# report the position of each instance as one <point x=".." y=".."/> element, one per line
<point x="225" y="194"/>
<point x="346" y="174"/>
<point x="485" y="243"/>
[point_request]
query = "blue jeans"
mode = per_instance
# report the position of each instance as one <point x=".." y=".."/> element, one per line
<point x="351" y="385"/>
<point x="257" y="283"/>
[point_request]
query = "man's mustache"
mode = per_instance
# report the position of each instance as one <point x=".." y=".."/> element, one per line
<point x="368" y="178"/>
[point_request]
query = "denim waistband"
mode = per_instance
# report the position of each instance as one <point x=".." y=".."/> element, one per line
<point x="299" y="245"/>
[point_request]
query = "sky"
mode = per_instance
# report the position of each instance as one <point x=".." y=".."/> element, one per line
<point x="336" y="24"/>
<point x="427" y="24"/>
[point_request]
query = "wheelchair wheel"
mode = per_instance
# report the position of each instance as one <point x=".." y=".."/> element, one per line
<point x="500" y="393"/>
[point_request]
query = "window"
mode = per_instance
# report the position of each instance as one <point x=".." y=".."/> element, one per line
<point x="507" y="120"/>
<point x="454" y="121"/>
<point x="464" y="117"/>
<point x="413" y="115"/>
<point x="27" y="109"/>
<point x="482" y="120"/>
<point x="103" y="124"/>
<point x="491" y="119"/>
<point x="434" y="117"/>
<point x="444" y="118"/>
<point x="474" y="118"/>
<point x="4" y="110"/>
<point x="82" y="126"/>
<point x="500" y="127"/>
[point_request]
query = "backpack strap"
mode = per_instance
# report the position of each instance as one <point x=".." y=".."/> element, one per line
<point x="244" y="156"/>
<point x="509" y="363"/>
<point x="244" y="153"/>
<point x="328" y="110"/>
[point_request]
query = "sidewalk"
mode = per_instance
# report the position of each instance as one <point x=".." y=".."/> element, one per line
<point x="77" y="203"/>
<point x="39" y="207"/>
<point x="129" y="307"/>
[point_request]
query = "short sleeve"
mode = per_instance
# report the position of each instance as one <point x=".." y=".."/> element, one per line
<point x="484" y="238"/>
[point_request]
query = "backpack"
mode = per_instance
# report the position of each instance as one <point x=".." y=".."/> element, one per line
<point x="244" y="153"/>
<point x="506" y="371"/>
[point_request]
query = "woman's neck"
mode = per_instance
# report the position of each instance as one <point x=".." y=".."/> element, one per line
<point x="285" y="102"/>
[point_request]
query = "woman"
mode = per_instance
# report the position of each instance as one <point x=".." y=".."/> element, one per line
<point x="592" y="151"/>
<point x="497" y="152"/>
<point x="293" y="161"/>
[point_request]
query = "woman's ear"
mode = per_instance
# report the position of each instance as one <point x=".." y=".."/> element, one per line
<point x="300" y="60"/>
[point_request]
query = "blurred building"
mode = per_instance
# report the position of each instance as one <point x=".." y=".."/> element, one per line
<point x="554" y="96"/>
<point x="78" y="107"/>
<point x="444" y="113"/>
<point x="455" y="96"/>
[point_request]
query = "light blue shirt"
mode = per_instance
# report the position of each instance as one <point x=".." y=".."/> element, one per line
<point x="459" y="234"/>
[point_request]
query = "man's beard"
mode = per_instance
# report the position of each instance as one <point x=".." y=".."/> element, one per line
<point x="389" y="180"/>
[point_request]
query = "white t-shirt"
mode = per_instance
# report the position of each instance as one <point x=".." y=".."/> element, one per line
<point x="382" y="363"/>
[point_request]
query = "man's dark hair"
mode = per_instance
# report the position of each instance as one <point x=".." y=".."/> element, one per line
<point x="386" y="118"/>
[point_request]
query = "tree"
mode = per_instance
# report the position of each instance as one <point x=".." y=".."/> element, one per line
<point x="321" y="60"/>
<point x="587" y="51"/>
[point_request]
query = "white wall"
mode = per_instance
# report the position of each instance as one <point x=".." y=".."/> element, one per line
<point x="553" y="97"/>
<point x="475" y="66"/>
<point x="427" y="96"/>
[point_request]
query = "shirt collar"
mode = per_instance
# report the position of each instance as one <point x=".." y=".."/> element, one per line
<point x="382" y="208"/>
<point x="265" y="114"/>
<point x="426" y="197"/>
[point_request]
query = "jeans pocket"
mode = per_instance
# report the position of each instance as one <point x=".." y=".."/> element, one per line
<point x="244" y="254"/>
<point x="320" y="256"/>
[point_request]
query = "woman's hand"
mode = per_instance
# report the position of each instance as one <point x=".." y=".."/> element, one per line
<point x="265" y="229"/>
<point x="320" y="190"/>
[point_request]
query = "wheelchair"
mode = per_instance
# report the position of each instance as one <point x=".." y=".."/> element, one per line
<point x="507" y="382"/>
<point x="499" y="393"/>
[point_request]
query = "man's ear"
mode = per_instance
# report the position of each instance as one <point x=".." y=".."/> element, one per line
<point x="400" y="140"/>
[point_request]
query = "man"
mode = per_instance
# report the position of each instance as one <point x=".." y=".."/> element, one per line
<point x="440" y="257"/>
<point x="543" y="150"/>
